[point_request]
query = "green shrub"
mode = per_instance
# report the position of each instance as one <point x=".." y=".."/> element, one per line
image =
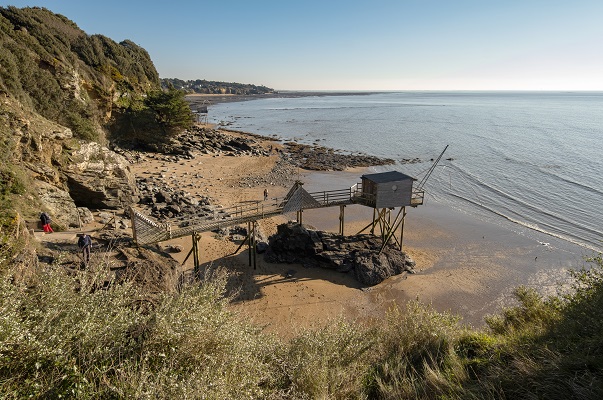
<point x="63" y="335"/>
<point x="330" y="362"/>
<point x="11" y="183"/>
<point x="418" y="357"/>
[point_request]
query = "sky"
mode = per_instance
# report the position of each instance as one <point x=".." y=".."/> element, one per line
<point x="359" y="45"/>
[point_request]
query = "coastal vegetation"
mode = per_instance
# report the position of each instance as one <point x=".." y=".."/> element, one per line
<point x="71" y="333"/>
<point x="88" y="83"/>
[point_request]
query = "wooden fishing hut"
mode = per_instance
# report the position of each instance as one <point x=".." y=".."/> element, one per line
<point x="390" y="189"/>
<point x="384" y="192"/>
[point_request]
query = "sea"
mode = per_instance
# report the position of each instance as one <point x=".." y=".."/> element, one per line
<point x="530" y="161"/>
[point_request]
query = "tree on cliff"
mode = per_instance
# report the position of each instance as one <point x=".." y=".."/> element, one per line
<point x="148" y="122"/>
<point x="172" y="112"/>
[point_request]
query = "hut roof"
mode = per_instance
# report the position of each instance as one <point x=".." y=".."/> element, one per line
<point x="390" y="176"/>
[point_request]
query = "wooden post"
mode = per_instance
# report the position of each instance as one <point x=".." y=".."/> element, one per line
<point x="402" y="227"/>
<point x="373" y="227"/>
<point x="391" y="230"/>
<point x="382" y="220"/>
<point x="253" y="241"/>
<point x="196" y="237"/>
<point x="194" y="252"/>
<point x="341" y="219"/>
<point x="249" y="236"/>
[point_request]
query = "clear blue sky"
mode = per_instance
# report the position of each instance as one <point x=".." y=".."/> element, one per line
<point x="360" y="45"/>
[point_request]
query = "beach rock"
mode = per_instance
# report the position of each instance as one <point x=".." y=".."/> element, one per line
<point x="359" y="254"/>
<point x="261" y="247"/>
<point x="85" y="215"/>
<point x="162" y="201"/>
<point x="320" y="158"/>
<point x="173" y="248"/>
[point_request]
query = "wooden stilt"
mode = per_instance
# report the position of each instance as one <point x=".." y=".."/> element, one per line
<point x="187" y="256"/>
<point x="373" y="227"/>
<point x="254" y="243"/>
<point x="382" y="223"/>
<point x="402" y="227"/>
<point x="392" y="229"/>
<point x="242" y="243"/>
<point x="196" y="237"/>
<point x="249" y="232"/>
<point x="341" y="219"/>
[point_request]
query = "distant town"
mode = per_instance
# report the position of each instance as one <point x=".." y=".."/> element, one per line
<point x="202" y="86"/>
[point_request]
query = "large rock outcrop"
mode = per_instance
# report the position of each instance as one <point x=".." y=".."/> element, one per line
<point x="358" y="254"/>
<point x="57" y="85"/>
<point x="59" y="203"/>
<point x="99" y="178"/>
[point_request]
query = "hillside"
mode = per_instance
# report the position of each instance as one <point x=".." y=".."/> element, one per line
<point x="66" y="96"/>
<point x="56" y="70"/>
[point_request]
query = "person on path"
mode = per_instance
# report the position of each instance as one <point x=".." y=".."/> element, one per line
<point x="265" y="194"/>
<point x="45" y="219"/>
<point x="85" y="244"/>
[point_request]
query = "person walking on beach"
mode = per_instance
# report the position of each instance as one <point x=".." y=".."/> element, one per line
<point x="45" y="219"/>
<point x="85" y="244"/>
<point x="265" y="194"/>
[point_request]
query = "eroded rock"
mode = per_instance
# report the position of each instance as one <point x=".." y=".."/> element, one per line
<point x="99" y="178"/>
<point x="359" y="254"/>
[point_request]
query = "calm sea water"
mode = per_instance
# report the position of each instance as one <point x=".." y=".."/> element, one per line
<point x="529" y="160"/>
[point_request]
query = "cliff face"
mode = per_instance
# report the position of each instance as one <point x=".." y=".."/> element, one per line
<point x="59" y="89"/>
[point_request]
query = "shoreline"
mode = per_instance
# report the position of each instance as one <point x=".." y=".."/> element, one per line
<point x="200" y="99"/>
<point x="464" y="265"/>
<point x="476" y="264"/>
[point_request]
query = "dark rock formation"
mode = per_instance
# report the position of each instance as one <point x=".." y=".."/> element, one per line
<point x="293" y="243"/>
<point x="320" y="158"/>
<point x="311" y="157"/>
<point x="210" y="141"/>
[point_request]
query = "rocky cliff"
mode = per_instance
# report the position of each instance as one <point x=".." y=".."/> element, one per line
<point x="59" y="91"/>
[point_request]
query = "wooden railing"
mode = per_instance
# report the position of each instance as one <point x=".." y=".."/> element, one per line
<point x="147" y="231"/>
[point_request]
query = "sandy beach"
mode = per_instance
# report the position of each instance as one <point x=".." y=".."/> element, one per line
<point x="464" y="265"/>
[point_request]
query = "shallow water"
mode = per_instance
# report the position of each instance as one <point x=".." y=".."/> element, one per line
<point x="526" y="161"/>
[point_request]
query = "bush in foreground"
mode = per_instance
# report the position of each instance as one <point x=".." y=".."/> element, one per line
<point x="65" y="333"/>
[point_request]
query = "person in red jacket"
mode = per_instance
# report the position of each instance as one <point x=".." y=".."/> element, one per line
<point x="45" y="219"/>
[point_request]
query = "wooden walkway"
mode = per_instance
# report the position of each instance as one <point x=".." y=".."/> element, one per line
<point x="147" y="231"/>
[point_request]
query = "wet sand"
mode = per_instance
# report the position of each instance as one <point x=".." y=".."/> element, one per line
<point x="468" y="266"/>
<point x="464" y="265"/>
